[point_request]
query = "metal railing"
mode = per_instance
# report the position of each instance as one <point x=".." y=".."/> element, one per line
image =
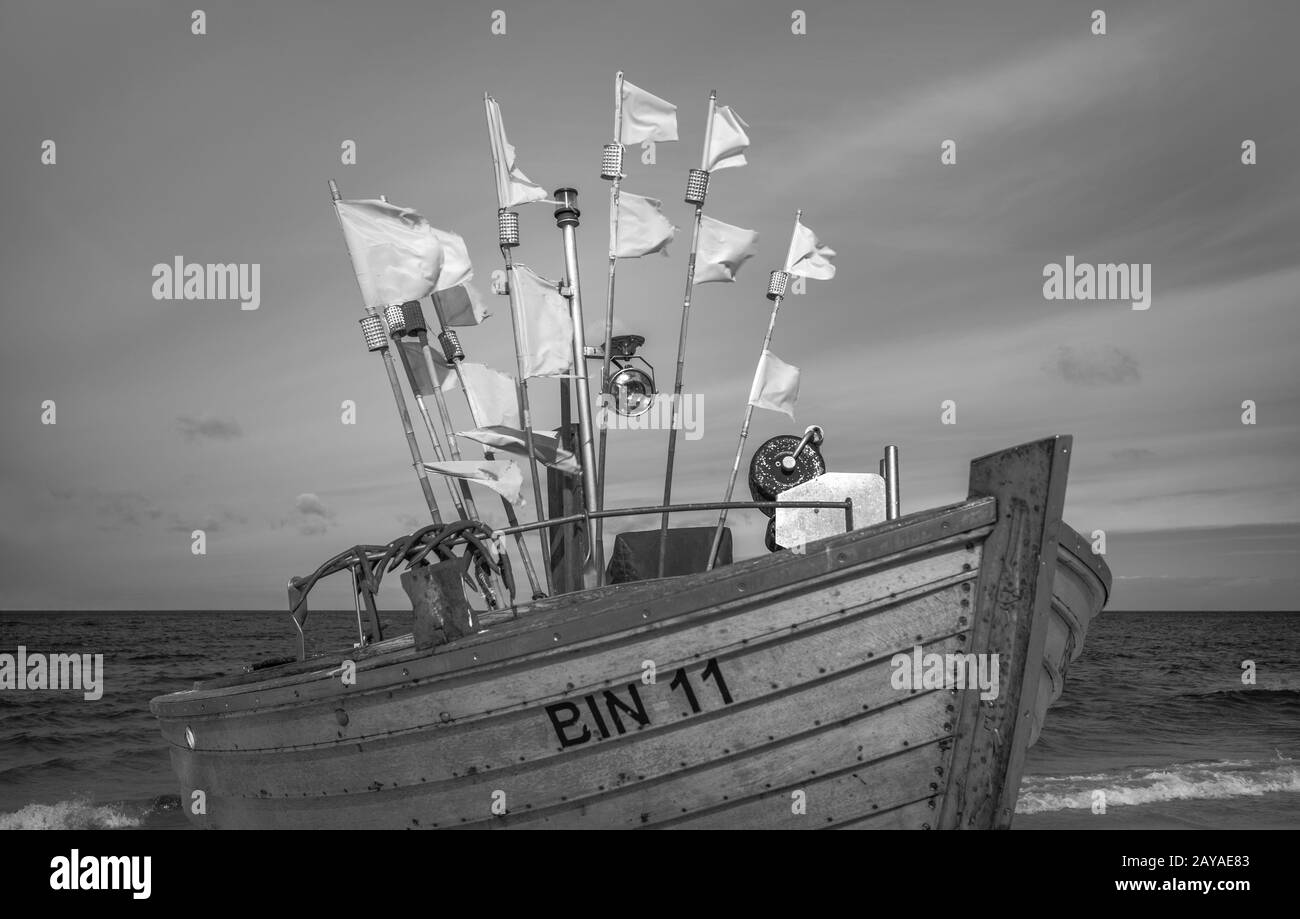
<point x="846" y="505"/>
<point x="368" y="563"/>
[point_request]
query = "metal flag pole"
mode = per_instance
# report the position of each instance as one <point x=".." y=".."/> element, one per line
<point x="415" y="324"/>
<point x="508" y="239"/>
<point x="611" y="168"/>
<point x="455" y="354"/>
<point x="566" y="218"/>
<point x="508" y="224"/>
<point x="372" y="327"/>
<point x="397" y="328"/>
<point x="775" y="292"/>
<point x="776" y="286"/>
<point x="697" y="187"/>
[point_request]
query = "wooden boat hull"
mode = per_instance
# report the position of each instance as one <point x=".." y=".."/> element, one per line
<point x="762" y="695"/>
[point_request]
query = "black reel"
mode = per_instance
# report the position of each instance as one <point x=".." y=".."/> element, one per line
<point x="775" y="467"/>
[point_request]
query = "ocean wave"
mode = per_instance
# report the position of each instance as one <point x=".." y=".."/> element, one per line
<point x="1180" y="782"/>
<point x="71" y="815"/>
<point x="1253" y="694"/>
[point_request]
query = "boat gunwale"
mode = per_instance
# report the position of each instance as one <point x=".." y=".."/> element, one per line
<point x="875" y="544"/>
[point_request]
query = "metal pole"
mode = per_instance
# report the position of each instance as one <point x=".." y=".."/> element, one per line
<point x="612" y="169"/>
<point x="415" y="324"/>
<point x="776" y="290"/>
<point x="396" y="332"/>
<point x="697" y="186"/>
<point x="889" y="465"/>
<point x="566" y="218"/>
<point x="508" y="238"/>
<point x="416" y="459"/>
<point x="521" y="394"/>
<point x="372" y="326"/>
<point x="454" y="354"/>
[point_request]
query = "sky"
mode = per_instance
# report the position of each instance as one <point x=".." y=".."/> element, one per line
<point x="1123" y="147"/>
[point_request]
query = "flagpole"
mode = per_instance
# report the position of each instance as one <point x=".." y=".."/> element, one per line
<point x="372" y="327"/>
<point x="612" y="169"/>
<point x="408" y="319"/>
<point x="697" y="186"/>
<point x="455" y="354"/>
<point x="415" y="324"/>
<point x="776" y="286"/>
<point x="566" y="218"/>
<point x="508" y="238"/>
<point x="521" y="390"/>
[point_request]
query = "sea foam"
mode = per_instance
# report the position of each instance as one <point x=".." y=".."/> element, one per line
<point x="1180" y="782"/>
<point x="70" y="815"/>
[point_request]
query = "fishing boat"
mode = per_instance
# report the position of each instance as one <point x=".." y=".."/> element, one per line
<point x="873" y="670"/>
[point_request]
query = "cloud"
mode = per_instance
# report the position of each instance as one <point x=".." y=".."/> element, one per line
<point x="214" y="521"/>
<point x="1095" y="367"/>
<point x="195" y="427"/>
<point x="311" y="505"/>
<point x="314" y="517"/>
<point x="114" y="509"/>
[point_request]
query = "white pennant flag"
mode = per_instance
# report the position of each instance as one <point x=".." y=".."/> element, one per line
<point x="502" y="476"/>
<point x="776" y="385"/>
<point x="492" y="397"/>
<point x="727" y="141"/>
<point x="513" y="187"/>
<point x="461" y="305"/>
<point x="459" y="302"/>
<point x="722" y="250"/>
<point x="546" y="446"/>
<point x="545" y="325"/>
<point x="808" y="258"/>
<point x="396" y="254"/>
<point x="639" y="228"/>
<point x="646" y="117"/>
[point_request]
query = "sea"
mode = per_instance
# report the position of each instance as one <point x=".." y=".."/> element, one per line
<point x="1156" y="728"/>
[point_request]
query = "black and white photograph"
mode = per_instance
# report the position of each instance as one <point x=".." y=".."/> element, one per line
<point x="651" y="415"/>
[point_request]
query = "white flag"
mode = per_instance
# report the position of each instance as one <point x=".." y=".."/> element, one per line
<point x="396" y="254"/>
<point x="639" y="228"/>
<point x="513" y="187"/>
<point x="461" y="305"/>
<point x="458" y="301"/>
<point x="492" y="397"/>
<point x="545" y="326"/>
<point x="723" y="249"/>
<point x="456" y="267"/>
<point x="502" y="476"/>
<point x="646" y="117"/>
<point x="808" y="258"/>
<point x="546" y="446"/>
<point x="727" y="142"/>
<point x="776" y="385"/>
